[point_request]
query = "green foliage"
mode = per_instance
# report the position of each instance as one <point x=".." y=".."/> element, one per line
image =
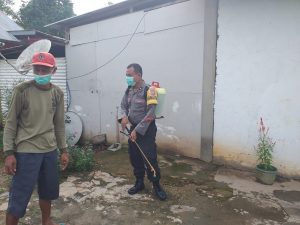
<point x="35" y="14"/>
<point x="5" y="6"/>
<point x="265" y="148"/>
<point x="81" y="159"/>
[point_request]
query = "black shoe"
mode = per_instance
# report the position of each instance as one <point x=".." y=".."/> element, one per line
<point x="139" y="185"/>
<point x="160" y="193"/>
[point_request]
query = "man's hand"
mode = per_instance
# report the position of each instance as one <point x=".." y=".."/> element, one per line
<point x="64" y="160"/>
<point x="124" y="122"/>
<point x="133" y="135"/>
<point x="10" y="165"/>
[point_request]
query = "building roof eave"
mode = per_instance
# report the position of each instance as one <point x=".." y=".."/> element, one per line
<point x="52" y="38"/>
<point x="107" y="12"/>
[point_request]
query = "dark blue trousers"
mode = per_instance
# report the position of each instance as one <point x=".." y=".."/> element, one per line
<point x="148" y="146"/>
<point x="32" y="169"/>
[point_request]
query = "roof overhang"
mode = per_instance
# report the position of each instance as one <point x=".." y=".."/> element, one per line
<point x="20" y="34"/>
<point x="122" y="8"/>
<point x="5" y="36"/>
<point x="27" y="37"/>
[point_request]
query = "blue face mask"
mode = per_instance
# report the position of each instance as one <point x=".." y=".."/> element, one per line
<point x="43" y="80"/>
<point x="130" y="81"/>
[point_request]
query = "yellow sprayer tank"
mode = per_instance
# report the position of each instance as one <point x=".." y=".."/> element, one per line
<point x="161" y="95"/>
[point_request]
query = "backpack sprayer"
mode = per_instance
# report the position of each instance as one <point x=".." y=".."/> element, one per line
<point x="161" y="93"/>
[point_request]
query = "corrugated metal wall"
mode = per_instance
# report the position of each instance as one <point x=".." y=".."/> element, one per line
<point x="8" y="77"/>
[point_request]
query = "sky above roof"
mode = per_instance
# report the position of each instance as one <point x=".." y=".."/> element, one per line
<point x="81" y="6"/>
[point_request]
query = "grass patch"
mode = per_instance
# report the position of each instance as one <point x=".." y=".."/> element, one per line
<point x="177" y="169"/>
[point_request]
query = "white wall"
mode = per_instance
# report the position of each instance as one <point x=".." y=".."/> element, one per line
<point x="258" y="75"/>
<point x="169" y="46"/>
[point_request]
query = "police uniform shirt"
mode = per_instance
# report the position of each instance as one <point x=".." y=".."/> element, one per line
<point x="139" y="110"/>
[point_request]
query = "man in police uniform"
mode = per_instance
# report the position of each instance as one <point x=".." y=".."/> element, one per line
<point x="138" y="109"/>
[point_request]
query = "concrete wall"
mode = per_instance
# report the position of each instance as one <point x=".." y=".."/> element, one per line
<point x="169" y="45"/>
<point x="258" y="58"/>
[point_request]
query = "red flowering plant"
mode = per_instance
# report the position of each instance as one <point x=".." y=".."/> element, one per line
<point x="265" y="148"/>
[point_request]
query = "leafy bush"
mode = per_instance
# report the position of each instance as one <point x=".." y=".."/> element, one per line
<point x="81" y="159"/>
<point x="265" y="148"/>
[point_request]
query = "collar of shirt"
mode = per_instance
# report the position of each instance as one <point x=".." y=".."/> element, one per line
<point x="135" y="90"/>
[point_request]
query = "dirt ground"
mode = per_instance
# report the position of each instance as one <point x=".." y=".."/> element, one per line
<point x="198" y="194"/>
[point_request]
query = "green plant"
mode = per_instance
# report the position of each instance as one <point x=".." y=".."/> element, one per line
<point x="265" y="148"/>
<point x="81" y="159"/>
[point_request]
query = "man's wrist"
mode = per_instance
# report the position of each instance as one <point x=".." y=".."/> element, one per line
<point x="8" y="153"/>
<point x="121" y="118"/>
<point x="63" y="150"/>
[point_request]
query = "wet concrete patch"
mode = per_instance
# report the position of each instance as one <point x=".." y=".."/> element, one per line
<point x="112" y="189"/>
<point x="253" y="207"/>
<point x="216" y="189"/>
<point x="291" y="223"/>
<point x="289" y="196"/>
<point x="181" y="208"/>
<point x="271" y="198"/>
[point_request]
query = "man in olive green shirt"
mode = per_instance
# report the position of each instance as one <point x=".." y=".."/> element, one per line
<point x="33" y="132"/>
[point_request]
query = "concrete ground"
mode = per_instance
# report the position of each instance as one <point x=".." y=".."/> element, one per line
<point x="198" y="193"/>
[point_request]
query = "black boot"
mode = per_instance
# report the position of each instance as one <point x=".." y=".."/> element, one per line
<point x="160" y="193"/>
<point x="139" y="185"/>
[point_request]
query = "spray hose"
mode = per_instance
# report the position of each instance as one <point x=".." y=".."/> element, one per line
<point x="143" y="154"/>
